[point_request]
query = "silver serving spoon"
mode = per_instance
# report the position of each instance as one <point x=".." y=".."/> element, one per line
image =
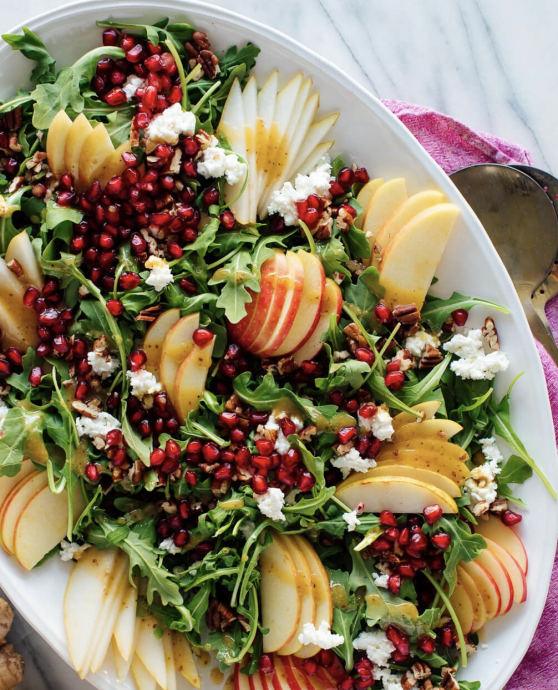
<point x="522" y="223"/>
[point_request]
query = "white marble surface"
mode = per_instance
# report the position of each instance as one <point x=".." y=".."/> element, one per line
<point x="489" y="63"/>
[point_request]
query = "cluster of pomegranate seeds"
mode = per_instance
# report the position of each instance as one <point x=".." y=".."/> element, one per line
<point x="233" y="363"/>
<point x="180" y="518"/>
<point x="155" y="420"/>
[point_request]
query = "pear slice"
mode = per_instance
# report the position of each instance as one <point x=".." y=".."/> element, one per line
<point x="21" y="249"/>
<point x="153" y="341"/>
<point x="382" y="205"/>
<point x="314" y="158"/>
<point x="427" y="409"/>
<point x="250" y="102"/>
<point x="14" y="504"/>
<point x="177" y="345"/>
<point x="232" y="126"/>
<point x="122" y="667"/>
<point x="318" y="131"/>
<point x="184" y="660"/>
<point x="18" y="323"/>
<point x="56" y="143"/>
<point x="428" y="476"/>
<point x="411" y="207"/>
<point x="125" y="629"/>
<point x="96" y="149"/>
<point x="365" y="196"/>
<point x="267" y="98"/>
<point x="457" y="472"/>
<point x="169" y="660"/>
<point x="190" y="379"/>
<point x="436" y="429"/>
<point x="151" y="651"/>
<point x="113" y="165"/>
<point x="144" y="680"/>
<point x="77" y="134"/>
<point x="410" y="260"/>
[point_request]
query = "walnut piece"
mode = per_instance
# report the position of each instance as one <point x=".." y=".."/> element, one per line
<point x="490" y="334"/>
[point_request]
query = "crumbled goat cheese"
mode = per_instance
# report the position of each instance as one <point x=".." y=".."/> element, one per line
<point x="102" y="365"/>
<point x="160" y="274"/>
<point x="132" y="84"/>
<point x="376" y="645"/>
<point x="143" y="383"/>
<point x="482" y="486"/>
<point x="380" y="425"/>
<point x="216" y="162"/>
<point x="282" y="445"/>
<point x="417" y="343"/>
<point x="271" y="504"/>
<point x="321" y="636"/>
<point x="283" y="201"/>
<point x="390" y="681"/>
<point x="381" y="580"/>
<point x="352" y="461"/>
<point x="341" y="355"/>
<point x="169" y="125"/>
<point x="473" y="363"/>
<point x="170" y="546"/>
<point x="490" y="450"/>
<point x="71" y="550"/>
<point x="4" y="409"/>
<point x="97" y="428"/>
<point x="352" y="520"/>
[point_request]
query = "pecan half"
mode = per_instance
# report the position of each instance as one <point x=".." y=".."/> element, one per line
<point x="219" y="616"/>
<point x="490" y="334"/>
<point x="354" y="337"/>
<point x="431" y="357"/>
<point x="199" y="51"/>
<point x="287" y="365"/>
<point x="448" y="681"/>
<point x="14" y="119"/>
<point x="406" y="314"/>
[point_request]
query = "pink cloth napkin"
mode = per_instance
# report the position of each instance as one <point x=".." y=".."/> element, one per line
<point x="453" y="145"/>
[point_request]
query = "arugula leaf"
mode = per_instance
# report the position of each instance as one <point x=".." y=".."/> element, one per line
<point x="377" y="385"/>
<point x="332" y="254"/>
<point x="367" y="292"/>
<point x="501" y="419"/>
<point x="414" y="393"/>
<point x="514" y="471"/>
<point x="357" y="242"/>
<point x="33" y="48"/>
<point x="239" y="277"/>
<point x="351" y="373"/>
<point x="118" y="125"/>
<point x="346" y="615"/>
<point x="205" y="238"/>
<point x="135" y="442"/>
<point x="65" y="93"/>
<point x="15" y="102"/>
<point x="313" y="464"/>
<point x="436" y="310"/>
<point x="11" y="443"/>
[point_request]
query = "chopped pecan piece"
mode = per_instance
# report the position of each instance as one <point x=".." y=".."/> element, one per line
<point x="307" y="434"/>
<point x="219" y="615"/>
<point x="407" y="314"/>
<point x="15" y="267"/>
<point x="14" y="119"/>
<point x="338" y="277"/>
<point x="430" y="358"/>
<point x="287" y="365"/>
<point x="199" y="51"/>
<point x="405" y="358"/>
<point x="448" y="680"/>
<point x="136" y="471"/>
<point x="149" y="313"/>
<point x="344" y="220"/>
<point x="354" y="337"/>
<point x="233" y="404"/>
<point x="490" y="334"/>
<point x="499" y="506"/>
<point x="85" y="410"/>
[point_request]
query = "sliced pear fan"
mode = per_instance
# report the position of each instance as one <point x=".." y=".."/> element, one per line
<point x="276" y="133"/>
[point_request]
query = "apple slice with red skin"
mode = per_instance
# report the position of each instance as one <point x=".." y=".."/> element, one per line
<point x="308" y="313"/>
<point x="280" y="680"/>
<point x="282" y="327"/>
<point x="517" y="576"/>
<point x="332" y="303"/>
<point x="494" y="529"/>
<point x="487" y="587"/>
<point x="240" y="680"/>
<point x="245" y="331"/>
<point x="479" y="609"/>
<point x="320" y="681"/>
<point x="493" y="565"/>
<point x="258" y="680"/>
<point x="261" y="329"/>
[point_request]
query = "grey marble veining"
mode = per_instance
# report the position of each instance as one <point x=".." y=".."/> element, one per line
<point x="489" y="63"/>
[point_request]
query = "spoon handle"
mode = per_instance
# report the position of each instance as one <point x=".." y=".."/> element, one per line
<point x="540" y="330"/>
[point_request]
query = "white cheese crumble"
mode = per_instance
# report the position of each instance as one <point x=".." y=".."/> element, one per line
<point x="97" y="428"/>
<point x="170" y="124"/>
<point x="143" y="383"/>
<point x="283" y="201"/>
<point x="170" y="546"/>
<point x="132" y="84"/>
<point x="473" y="363"/>
<point x="490" y="450"/>
<point x="4" y="409"/>
<point x="390" y="681"/>
<point x="417" y="343"/>
<point x="381" y="425"/>
<point x="216" y="162"/>
<point x="71" y="550"/>
<point x="376" y="645"/>
<point x="160" y="274"/>
<point x="321" y="636"/>
<point x="352" y="461"/>
<point x="381" y="580"/>
<point x="282" y="445"/>
<point x="102" y="365"/>
<point x="271" y="504"/>
<point x="482" y="487"/>
<point x="352" y="520"/>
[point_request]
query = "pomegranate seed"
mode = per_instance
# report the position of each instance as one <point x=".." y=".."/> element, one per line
<point x="157" y="457"/>
<point x="228" y="419"/>
<point x="116" y="96"/>
<point x="346" y="434"/>
<point x="129" y="280"/>
<point x="363" y="354"/>
<point x="394" y="380"/>
<point x="292" y="458"/>
<point x="49" y="317"/>
<point x="210" y="451"/>
<point x="181" y="538"/>
<point x="346" y="178"/>
<point x="406" y="570"/>
<point x="137" y="360"/>
<point x="311" y="368"/>
<point x="265" y="446"/>
<point x="442" y="540"/>
<point x="138" y="244"/>
<point x="265" y="664"/>
<point x="383" y="314"/>
<point x="335" y="189"/>
<point x="306" y="481"/>
<point x="65" y="198"/>
<point x="259" y="484"/>
<point x="168" y="63"/>
<point x="191" y="477"/>
<point x="113" y="438"/>
<point x="346" y="684"/>
<point x="115" y="307"/>
<point x="391" y="533"/>
<point x="227" y="220"/>
<point x="174" y="249"/>
<point x="202" y="336"/>
<point x="437" y="562"/>
<point x="43" y="350"/>
<point x="61" y="344"/>
<point x="153" y="63"/>
<point x="194" y="447"/>
<point x="92" y="472"/>
<point x="288" y="427"/>
<point x="460" y="317"/>
<point x="237" y="435"/>
<point x="127" y="43"/>
<point x="149" y="98"/>
<point x="30" y="296"/>
<point x="446" y="637"/>
<point x="111" y="37"/>
<point x="419" y="542"/>
<point x="190" y="169"/>
<point x="83" y="367"/>
<point x="510" y="518"/>
<point x="144" y="427"/>
<point x="367" y="411"/>
<point x="394" y="584"/>
<point x="243" y="457"/>
<point x="135" y="54"/>
<point x="382" y="544"/>
<point x="172" y="450"/>
<point x="337" y="398"/>
<point x="228" y="369"/>
<point x="351" y="405"/>
<point x="432" y="513"/>
<point x="114" y="186"/>
<point x="119" y="457"/>
<point x="66" y="182"/>
<point x="113" y="401"/>
<point x="175" y="95"/>
<point x="14" y="356"/>
<point x="5" y="368"/>
<point x="82" y="390"/>
<point x="130" y="159"/>
<point x="224" y="472"/>
<point x="388" y="518"/>
<point x="405" y="536"/>
<point x="211" y="196"/>
<point x="393" y="366"/>
<point x="361" y="175"/>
